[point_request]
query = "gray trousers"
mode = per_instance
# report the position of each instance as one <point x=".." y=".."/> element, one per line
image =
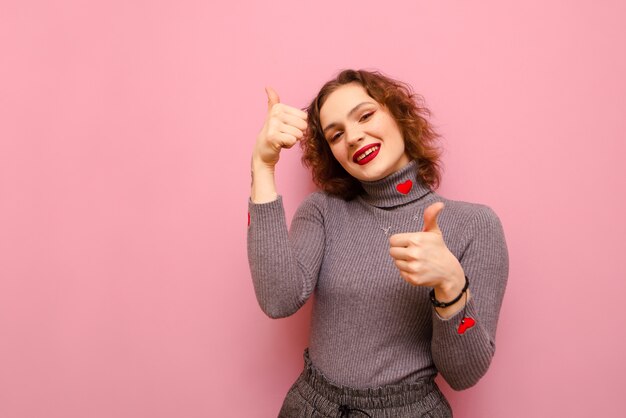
<point x="313" y="396"/>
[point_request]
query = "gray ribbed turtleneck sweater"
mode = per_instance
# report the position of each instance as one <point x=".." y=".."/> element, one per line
<point x="369" y="327"/>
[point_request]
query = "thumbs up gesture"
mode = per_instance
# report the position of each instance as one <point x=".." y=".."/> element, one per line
<point x="284" y="126"/>
<point x="423" y="258"/>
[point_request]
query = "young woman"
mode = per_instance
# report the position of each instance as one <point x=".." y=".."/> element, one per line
<point x="407" y="283"/>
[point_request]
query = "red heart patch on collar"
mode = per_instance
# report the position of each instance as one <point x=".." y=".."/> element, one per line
<point x="405" y="187"/>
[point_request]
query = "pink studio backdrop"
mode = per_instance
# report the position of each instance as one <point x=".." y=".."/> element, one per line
<point x="126" y="129"/>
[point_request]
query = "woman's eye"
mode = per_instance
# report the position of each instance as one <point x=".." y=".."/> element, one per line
<point x="366" y="116"/>
<point x="336" y="136"/>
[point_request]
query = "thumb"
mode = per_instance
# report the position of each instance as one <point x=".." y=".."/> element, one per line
<point x="272" y="97"/>
<point x="430" y="217"/>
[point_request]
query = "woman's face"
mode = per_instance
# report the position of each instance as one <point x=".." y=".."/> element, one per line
<point x="363" y="135"/>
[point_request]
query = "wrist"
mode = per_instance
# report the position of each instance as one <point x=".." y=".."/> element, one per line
<point x="259" y="166"/>
<point x="263" y="188"/>
<point x="448" y="297"/>
<point x="450" y="288"/>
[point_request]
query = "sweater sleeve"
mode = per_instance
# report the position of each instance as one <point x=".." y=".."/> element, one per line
<point x="462" y="359"/>
<point x="285" y="265"/>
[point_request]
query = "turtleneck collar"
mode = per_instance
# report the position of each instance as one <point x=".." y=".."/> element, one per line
<point x="396" y="189"/>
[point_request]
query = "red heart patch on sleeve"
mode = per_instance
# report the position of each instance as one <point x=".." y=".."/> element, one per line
<point x="466" y="323"/>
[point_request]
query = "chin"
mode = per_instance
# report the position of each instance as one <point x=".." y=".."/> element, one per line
<point x="372" y="174"/>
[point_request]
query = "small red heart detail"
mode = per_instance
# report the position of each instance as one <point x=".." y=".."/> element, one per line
<point x="466" y="323"/>
<point x="405" y="187"/>
<point x="248" y="218"/>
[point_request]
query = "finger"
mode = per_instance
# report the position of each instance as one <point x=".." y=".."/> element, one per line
<point x="272" y="97"/>
<point x="430" y="217"/>
<point x="402" y="240"/>
<point x="291" y="130"/>
<point x="286" y="140"/>
<point x="294" y="111"/>
<point x="408" y="278"/>
<point x="293" y="120"/>
<point x="408" y="267"/>
<point x="401" y="253"/>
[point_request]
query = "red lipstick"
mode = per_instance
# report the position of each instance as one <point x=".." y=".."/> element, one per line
<point x="366" y="154"/>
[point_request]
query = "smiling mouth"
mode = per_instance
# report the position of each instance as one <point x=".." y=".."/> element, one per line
<point x="366" y="154"/>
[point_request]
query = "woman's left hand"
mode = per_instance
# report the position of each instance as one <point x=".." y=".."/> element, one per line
<point x="424" y="259"/>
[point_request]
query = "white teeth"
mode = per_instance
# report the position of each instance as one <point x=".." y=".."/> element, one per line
<point x="367" y="152"/>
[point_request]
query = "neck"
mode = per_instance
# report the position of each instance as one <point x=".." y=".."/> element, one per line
<point x="397" y="189"/>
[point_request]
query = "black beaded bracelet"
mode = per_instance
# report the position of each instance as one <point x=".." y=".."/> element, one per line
<point x="438" y="304"/>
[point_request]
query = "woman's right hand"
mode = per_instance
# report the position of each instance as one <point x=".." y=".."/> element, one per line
<point x="283" y="127"/>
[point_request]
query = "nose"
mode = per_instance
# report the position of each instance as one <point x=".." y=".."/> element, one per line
<point x="354" y="135"/>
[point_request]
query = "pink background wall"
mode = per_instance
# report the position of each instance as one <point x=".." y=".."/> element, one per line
<point x="126" y="129"/>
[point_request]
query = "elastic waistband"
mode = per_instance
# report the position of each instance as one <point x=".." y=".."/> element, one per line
<point x="313" y="384"/>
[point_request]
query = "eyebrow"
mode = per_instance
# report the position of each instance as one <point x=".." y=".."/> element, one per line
<point x="350" y="113"/>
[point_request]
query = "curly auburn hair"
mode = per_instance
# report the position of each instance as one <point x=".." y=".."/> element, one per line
<point x="408" y="110"/>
